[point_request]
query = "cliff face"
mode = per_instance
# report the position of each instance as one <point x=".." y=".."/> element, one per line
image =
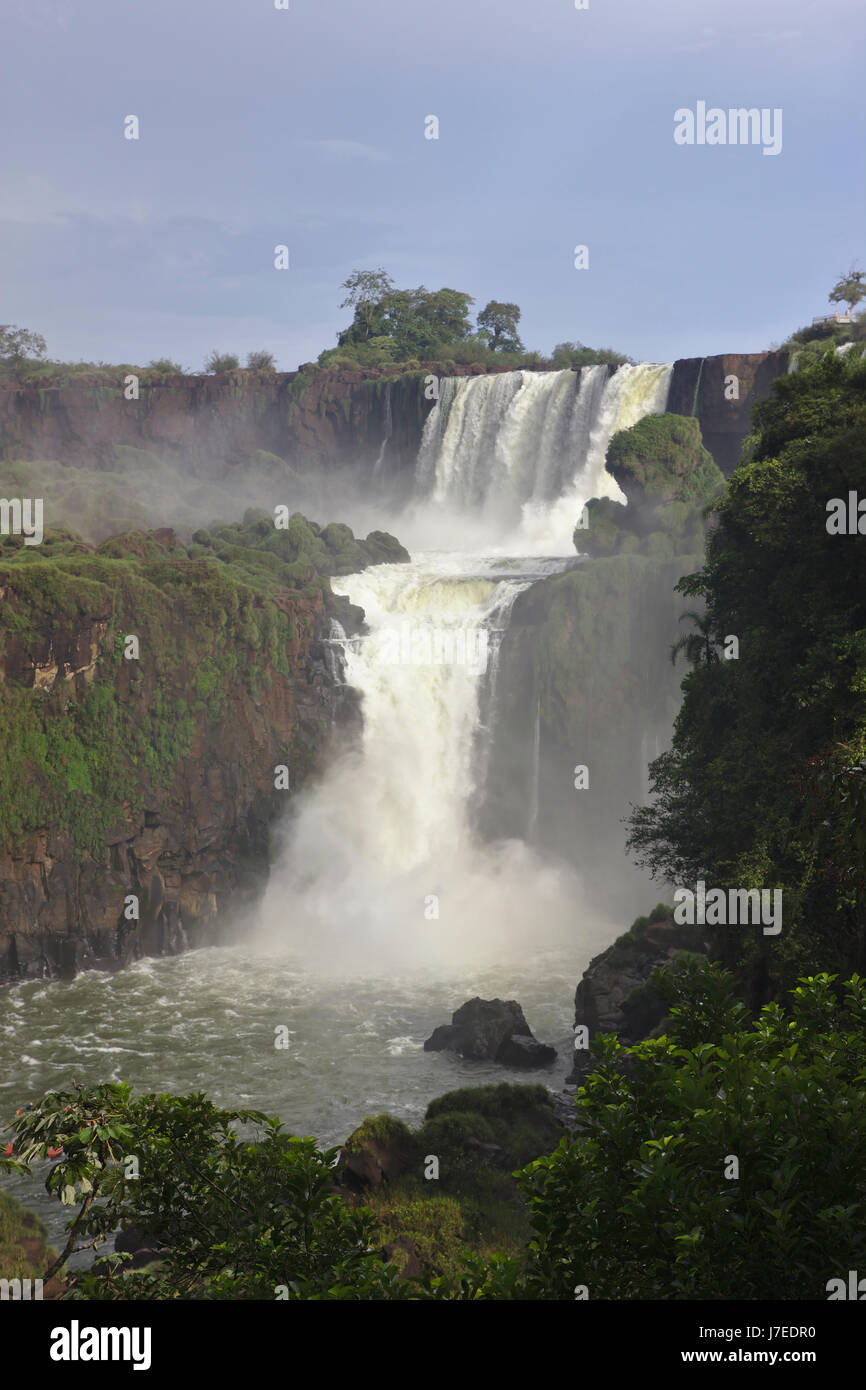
<point x="318" y="420"/>
<point x="585" y="679"/>
<point x="702" y="386"/>
<point x="136" y="794"/>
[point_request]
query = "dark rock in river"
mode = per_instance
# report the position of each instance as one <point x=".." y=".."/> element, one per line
<point x="491" y="1030"/>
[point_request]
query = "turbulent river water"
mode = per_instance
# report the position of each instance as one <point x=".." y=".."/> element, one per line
<point x="384" y="911"/>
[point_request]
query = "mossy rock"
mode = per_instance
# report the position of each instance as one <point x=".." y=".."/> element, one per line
<point x="663" y="456"/>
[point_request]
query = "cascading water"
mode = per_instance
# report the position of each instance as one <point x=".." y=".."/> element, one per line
<point x="388" y="431"/>
<point x="388" y="834"/>
<point x="523" y="451"/>
<point x="380" y="870"/>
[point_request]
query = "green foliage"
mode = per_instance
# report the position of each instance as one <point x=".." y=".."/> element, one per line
<point x="18" y="349"/>
<point x="768" y="741"/>
<point x="669" y="479"/>
<point x="576" y="355"/>
<point x="497" y="325"/>
<point x="164" y="366"/>
<point x="637" y="1205"/>
<point x="217" y="616"/>
<point x="221" y="362"/>
<point x="261" y="361"/>
<point x="23" y="1251"/>
<point x="849" y="289"/>
<point x="236" y="1217"/>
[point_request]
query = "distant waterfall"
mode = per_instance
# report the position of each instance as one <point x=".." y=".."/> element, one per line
<point x="389" y="429"/>
<point x="524" y="450"/>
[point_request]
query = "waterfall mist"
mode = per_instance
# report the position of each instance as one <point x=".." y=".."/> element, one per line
<point x="386" y="862"/>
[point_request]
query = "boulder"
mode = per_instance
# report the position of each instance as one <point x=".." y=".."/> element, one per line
<point x="615" y="995"/>
<point x="377" y="1152"/>
<point x="492" y="1030"/>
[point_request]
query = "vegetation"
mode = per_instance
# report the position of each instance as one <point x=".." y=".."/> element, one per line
<point x="218" y="614"/>
<point x="576" y="355"/>
<point x="849" y="289"/>
<point x="407" y="327"/>
<point x="762" y="787"/>
<point x="497" y="325"/>
<point x="221" y="362"/>
<point x="721" y="1160"/>
<point x="669" y="479"/>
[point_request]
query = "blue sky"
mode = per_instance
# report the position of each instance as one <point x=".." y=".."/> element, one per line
<point x="306" y="127"/>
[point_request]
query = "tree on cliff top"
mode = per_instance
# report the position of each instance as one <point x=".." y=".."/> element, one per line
<point x="849" y="289"/>
<point x="497" y="324"/>
<point x="402" y="324"/>
<point x="18" y="346"/>
<point x="365" y="289"/>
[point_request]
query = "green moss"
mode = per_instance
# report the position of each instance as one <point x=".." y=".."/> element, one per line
<point x="23" y="1252"/>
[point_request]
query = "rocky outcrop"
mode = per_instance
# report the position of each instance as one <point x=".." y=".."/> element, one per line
<point x="721" y="392"/>
<point x="491" y="1030"/>
<point x="161" y="706"/>
<point x="378" y="1152"/>
<point x="585" y="698"/>
<point x="317" y="423"/>
<point x="212" y="426"/>
<point x="614" y="995"/>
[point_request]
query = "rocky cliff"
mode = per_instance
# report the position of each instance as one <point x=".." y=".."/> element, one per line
<point x="161" y="704"/>
<point x="316" y="420"/>
<point x="720" y="392"/>
<point x="585" y="681"/>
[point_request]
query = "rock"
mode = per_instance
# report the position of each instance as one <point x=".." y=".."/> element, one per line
<point x="614" y="995"/>
<point x="380" y="1150"/>
<point x="519" y="1051"/>
<point x="491" y="1030"/>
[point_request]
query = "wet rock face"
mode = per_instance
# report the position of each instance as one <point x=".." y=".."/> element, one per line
<point x="491" y="1030"/>
<point x="188" y="836"/>
<point x="614" y="995"/>
<point x="721" y="392"/>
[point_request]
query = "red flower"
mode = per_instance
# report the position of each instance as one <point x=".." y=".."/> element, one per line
<point x="7" y="1151"/>
<point x="54" y="1153"/>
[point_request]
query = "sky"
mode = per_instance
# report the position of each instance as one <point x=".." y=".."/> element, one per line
<point x="305" y="127"/>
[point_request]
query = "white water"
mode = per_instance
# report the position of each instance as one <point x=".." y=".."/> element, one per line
<point x="382" y="865"/>
<point x="521" y="452"/>
<point x="347" y="951"/>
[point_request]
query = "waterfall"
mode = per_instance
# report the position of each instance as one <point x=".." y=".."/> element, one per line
<point x="389" y="429"/>
<point x="524" y="450"/>
<point x="383" y="857"/>
<point x="534" y="785"/>
<point x="698" y="387"/>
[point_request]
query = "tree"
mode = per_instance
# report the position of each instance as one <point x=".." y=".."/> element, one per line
<point x="734" y="800"/>
<point x="643" y="1201"/>
<point x="365" y="289"/>
<point x="497" y="324"/>
<point x="576" y="355"/>
<point x="849" y="289"/>
<point x="165" y="366"/>
<point x="698" y="646"/>
<point x="261" y="361"/>
<point x="221" y="362"/>
<point x="18" y="346"/>
<point x="237" y="1218"/>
